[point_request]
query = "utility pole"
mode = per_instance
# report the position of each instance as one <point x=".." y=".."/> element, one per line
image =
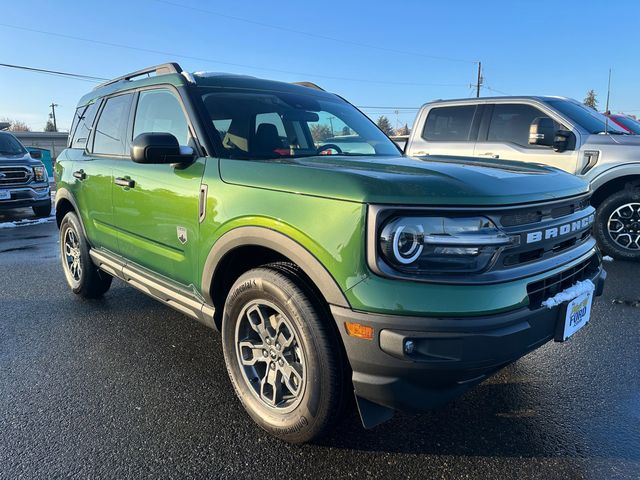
<point x="479" y="81"/>
<point x="52" y="115"/>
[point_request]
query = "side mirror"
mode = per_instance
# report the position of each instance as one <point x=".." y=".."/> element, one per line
<point x="561" y="140"/>
<point x="36" y="154"/>
<point x="158" y="148"/>
<point x="542" y="132"/>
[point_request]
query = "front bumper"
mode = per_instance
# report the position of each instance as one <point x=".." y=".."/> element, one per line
<point x="449" y="355"/>
<point x="26" y="196"/>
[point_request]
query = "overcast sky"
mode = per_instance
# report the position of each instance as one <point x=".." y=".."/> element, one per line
<point x="383" y="55"/>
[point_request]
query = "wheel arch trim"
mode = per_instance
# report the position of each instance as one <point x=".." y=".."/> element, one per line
<point x="64" y="194"/>
<point x="279" y="243"/>
<point x="615" y="173"/>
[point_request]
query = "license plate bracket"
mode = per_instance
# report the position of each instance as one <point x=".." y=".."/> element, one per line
<point x="574" y="315"/>
<point x="5" y="194"/>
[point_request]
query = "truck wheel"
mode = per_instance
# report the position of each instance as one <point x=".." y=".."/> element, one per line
<point x="617" y="227"/>
<point x="42" y="210"/>
<point x="82" y="276"/>
<point x="282" y="356"/>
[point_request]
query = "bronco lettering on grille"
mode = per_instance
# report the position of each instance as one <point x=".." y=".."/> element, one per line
<point x="561" y="230"/>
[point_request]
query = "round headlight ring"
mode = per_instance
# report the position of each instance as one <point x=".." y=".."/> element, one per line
<point x="407" y="245"/>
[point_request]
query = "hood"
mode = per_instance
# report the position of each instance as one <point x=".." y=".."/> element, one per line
<point x="624" y="140"/>
<point x="407" y="180"/>
<point x="21" y="159"/>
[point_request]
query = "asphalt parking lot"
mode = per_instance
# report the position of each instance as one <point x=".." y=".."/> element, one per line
<point x="124" y="387"/>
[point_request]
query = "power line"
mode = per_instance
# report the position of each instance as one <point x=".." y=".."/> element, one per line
<point x="79" y="76"/>
<point x="209" y="60"/>
<point x="314" y="35"/>
<point x="75" y="76"/>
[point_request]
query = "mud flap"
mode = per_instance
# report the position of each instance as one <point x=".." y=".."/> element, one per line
<point x="372" y="414"/>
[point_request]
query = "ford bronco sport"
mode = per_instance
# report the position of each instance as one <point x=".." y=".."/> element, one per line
<point x="23" y="180"/>
<point x="555" y="131"/>
<point x="327" y="270"/>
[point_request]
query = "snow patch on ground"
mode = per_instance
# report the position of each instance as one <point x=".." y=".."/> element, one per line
<point x="24" y="223"/>
<point x="607" y="258"/>
<point x="570" y="293"/>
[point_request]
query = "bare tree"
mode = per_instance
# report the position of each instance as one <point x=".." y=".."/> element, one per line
<point x="320" y="132"/>
<point x="404" y="130"/>
<point x="16" y="125"/>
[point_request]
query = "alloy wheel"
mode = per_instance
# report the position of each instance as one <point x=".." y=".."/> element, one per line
<point x="270" y="356"/>
<point x="71" y="249"/>
<point x="624" y="226"/>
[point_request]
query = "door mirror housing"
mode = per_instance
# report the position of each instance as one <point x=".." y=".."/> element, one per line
<point x="562" y="140"/>
<point x="542" y="132"/>
<point x="159" y="148"/>
<point x="35" y="154"/>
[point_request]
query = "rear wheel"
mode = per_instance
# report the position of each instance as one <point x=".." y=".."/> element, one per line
<point x="618" y="225"/>
<point x="82" y="276"/>
<point x="282" y="355"/>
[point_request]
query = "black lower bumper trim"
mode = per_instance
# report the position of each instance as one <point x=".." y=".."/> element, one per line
<point x="447" y="356"/>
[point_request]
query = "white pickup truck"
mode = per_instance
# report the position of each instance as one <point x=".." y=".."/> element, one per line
<point x="554" y="131"/>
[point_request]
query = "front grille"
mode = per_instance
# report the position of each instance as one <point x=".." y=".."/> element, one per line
<point x="548" y="287"/>
<point x="552" y="227"/>
<point x="14" y="175"/>
<point x="537" y="214"/>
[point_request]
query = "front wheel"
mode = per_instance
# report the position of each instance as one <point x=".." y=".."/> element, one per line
<point x="282" y="355"/>
<point x="83" y="277"/>
<point x="617" y="226"/>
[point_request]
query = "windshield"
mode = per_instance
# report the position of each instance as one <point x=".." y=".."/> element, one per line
<point x="259" y="124"/>
<point x="587" y="118"/>
<point x="629" y="123"/>
<point x="10" y="146"/>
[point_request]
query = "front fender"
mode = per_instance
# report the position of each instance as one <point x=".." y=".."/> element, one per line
<point x="614" y="173"/>
<point x="280" y="243"/>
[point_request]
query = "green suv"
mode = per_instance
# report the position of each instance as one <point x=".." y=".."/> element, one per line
<point x="329" y="267"/>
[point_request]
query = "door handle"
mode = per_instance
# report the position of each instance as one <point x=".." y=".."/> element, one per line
<point x="79" y="174"/>
<point x="490" y="154"/>
<point x="124" y="182"/>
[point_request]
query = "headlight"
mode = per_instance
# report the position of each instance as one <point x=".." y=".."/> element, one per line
<point x="40" y="174"/>
<point x="420" y="245"/>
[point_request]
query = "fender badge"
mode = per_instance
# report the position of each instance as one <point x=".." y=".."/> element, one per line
<point x="182" y="235"/>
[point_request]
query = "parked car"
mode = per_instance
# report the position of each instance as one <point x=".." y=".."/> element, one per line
<point x="629" y="124"/>
<point x="23" y="180"/>
<point x="404" y="281"/>
<point x="553" y="131"/>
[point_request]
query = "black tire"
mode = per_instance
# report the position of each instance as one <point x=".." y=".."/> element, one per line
<point x="604" y="214"/>
<point x="42" y="210"/>
<point x="85" y="279"/>
<point x="323" y="378"/>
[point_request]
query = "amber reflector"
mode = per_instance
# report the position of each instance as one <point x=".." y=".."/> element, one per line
<point x="359" y="331"/>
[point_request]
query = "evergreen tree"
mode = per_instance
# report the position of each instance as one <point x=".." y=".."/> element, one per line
<point x="385" y="125"/>
<point x="50" y="127"/>
<point x="590" y="100"/>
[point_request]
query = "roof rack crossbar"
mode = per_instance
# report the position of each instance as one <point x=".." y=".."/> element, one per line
<point x="161" y="69"/>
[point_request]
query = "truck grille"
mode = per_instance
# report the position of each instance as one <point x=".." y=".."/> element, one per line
<point x="14" y="175"/>
<point x="544" y="231"/>
<point x="548" y="287"/>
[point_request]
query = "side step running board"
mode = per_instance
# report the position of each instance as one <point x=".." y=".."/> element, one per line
<point x="155" y="287"/>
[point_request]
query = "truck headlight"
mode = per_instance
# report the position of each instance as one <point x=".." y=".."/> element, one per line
<point x="419" y="245"/>
<point x="40" y="174"/>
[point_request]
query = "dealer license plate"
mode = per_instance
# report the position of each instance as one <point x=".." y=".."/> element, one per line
<point x="577" y="316"/>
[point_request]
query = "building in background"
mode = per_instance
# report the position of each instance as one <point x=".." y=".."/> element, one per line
<point x="55" y="142"/>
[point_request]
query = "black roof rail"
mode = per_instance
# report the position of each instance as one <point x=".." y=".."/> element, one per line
<point x="309" y="85"/>
<point x="161" y="69"/>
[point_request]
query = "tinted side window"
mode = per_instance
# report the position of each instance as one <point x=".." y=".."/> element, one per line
<point x="449" y="124"/>
<point x="160" y="111"/>
<point x="511" y="122"/>
<point x="83" y="121"/>
<point x="111" y="126"/>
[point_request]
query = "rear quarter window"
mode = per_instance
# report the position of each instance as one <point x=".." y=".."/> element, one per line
<point x="449" y="124"/>
<point x="82" y="121"/>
